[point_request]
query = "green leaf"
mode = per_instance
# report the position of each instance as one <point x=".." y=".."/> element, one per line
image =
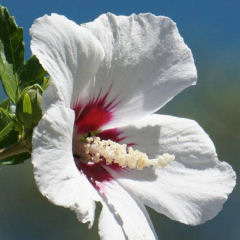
<point x="10" y="138"/>
<point x="17" y="159"/>
<point x="5" y="104"/>
<point x="8" y="135"/>
<point x="9" y="79"/>
<point x="12" y="38"/>
<point x="32" y="73"/>
<point x="5" y="131"/>
<point x="11" y="53"/>
<point x="5" y="113"/>
<point x="4" y="118"/>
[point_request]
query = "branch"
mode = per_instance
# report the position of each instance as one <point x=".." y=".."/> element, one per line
<point x="13" y="150"/>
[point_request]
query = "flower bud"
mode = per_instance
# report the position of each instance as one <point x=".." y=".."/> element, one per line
<point x="28" y="109"/>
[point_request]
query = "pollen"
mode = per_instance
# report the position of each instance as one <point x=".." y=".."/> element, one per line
<point x="97" y="150"/>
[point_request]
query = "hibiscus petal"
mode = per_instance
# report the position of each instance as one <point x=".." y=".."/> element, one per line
<point x="109" y="227"/>
<point x="146" y="63"/>
<point x="54" y="168"/>
<point x="134" y="222"/>
<point x="70" y="54"/>
<point x="144" y="210"/>
<point x="191" y="189"/>
<point x="136" y="63"/>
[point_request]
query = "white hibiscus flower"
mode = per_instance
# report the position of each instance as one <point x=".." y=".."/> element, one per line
<point x="109" y="76"/>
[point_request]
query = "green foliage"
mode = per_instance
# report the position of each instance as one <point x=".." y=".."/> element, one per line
<point x="6" y="130"/>
<point x="8" y="134"/>
<point x="11" y="53"/>
<point x="5" y="104"/>
<point x="32" y="73"/>
<point x="9" y="79"/>
<point x="12" y="38"/>
<point x="4" y="107"/>
<point x="9" y="139"/>
<point x="23" y="84"/>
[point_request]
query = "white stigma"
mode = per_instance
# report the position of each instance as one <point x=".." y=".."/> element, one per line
<point x="96" y="150"/>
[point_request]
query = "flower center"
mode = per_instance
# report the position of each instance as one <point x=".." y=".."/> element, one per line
<point x="94" y="150"/>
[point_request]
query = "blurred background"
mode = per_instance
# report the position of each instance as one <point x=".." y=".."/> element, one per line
<point x="211" y="29"/>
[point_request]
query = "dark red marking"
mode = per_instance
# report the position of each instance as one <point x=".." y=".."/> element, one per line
<point x="95" y="114"/>
<point x="94" y="172"/>
<point x="113" y="134"/>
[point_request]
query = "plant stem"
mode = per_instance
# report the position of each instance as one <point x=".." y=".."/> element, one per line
<point x="13" y="150"/>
